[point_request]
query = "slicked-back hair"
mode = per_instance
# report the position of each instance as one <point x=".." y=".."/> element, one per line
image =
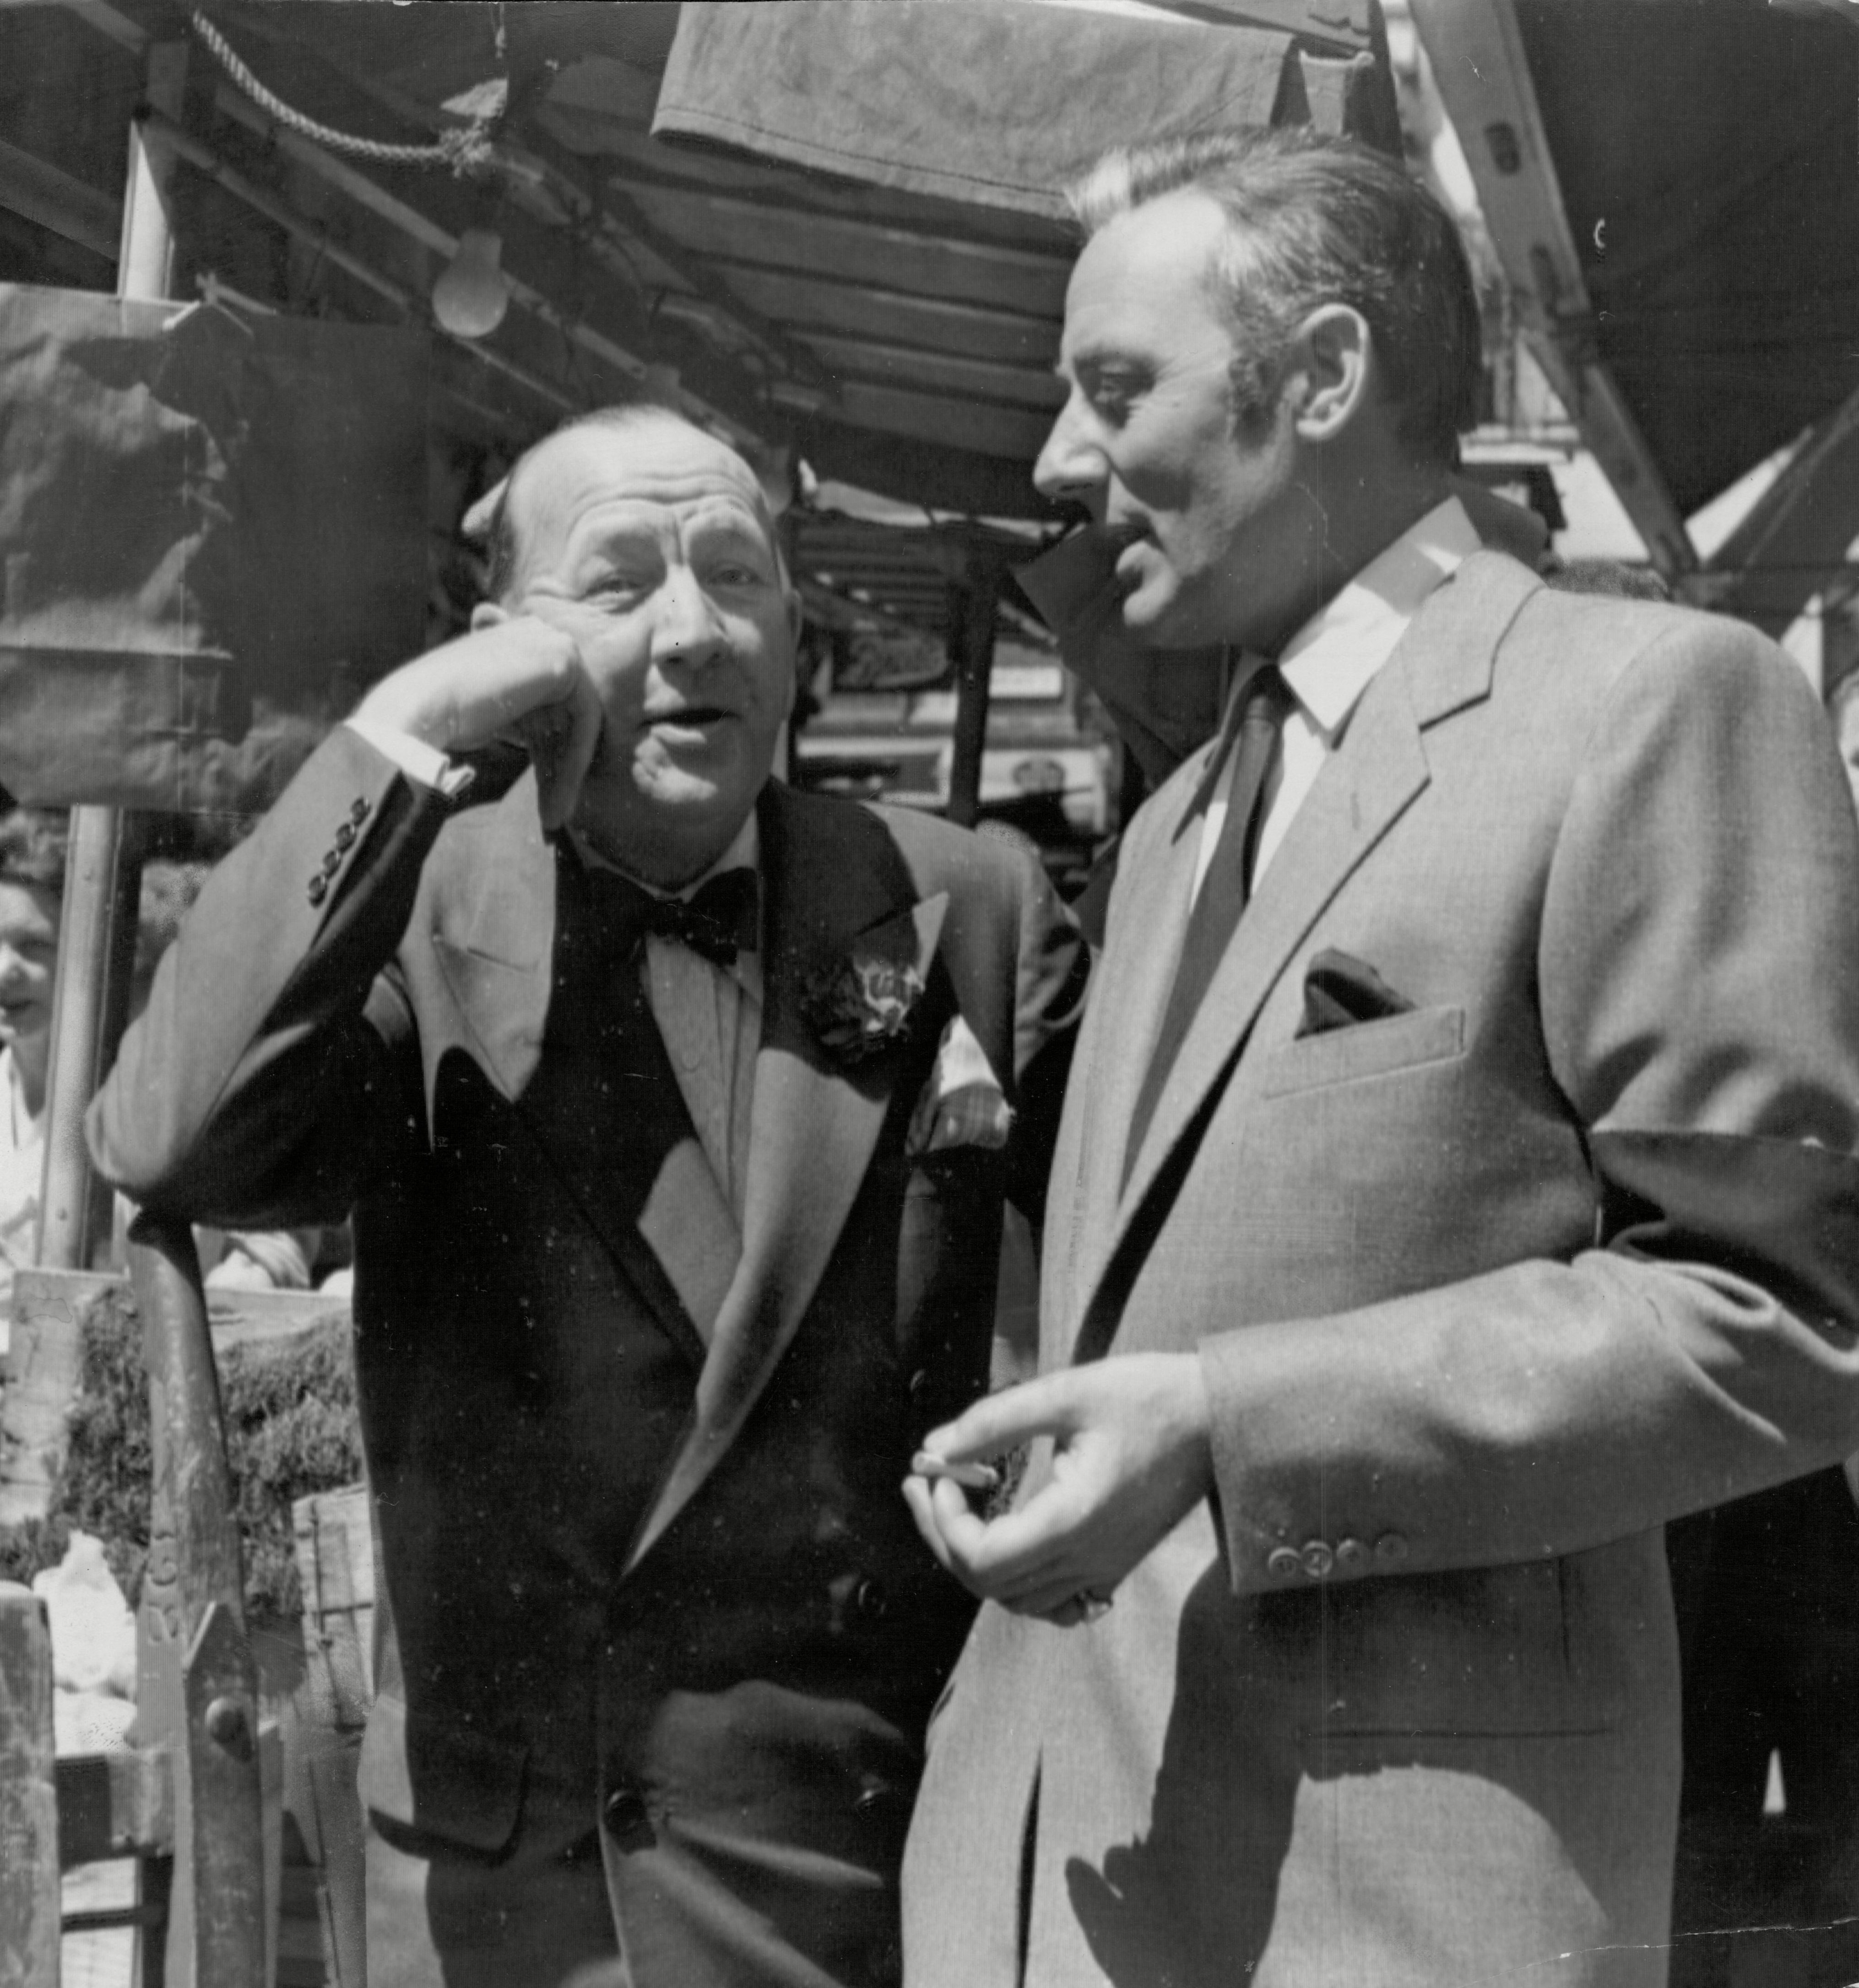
<point x="33" y="844"/>
<point x="503" y="551"/>
<point x="1311" y="221"/>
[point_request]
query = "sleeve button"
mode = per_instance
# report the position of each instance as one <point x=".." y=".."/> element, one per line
<point x="360" y="811"/>
<point x="626" y="1819"/>
<point x="1317" y="1558"/>
<point x="1391" y="1548"/>
<point x="1282" y="1563"/>
<point x="1351" y="1556"/>
<point x="345" y="834"/>
<point x="319" y="887"/>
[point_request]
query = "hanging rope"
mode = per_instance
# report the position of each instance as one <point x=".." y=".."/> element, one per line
<point x="466" y="149"/>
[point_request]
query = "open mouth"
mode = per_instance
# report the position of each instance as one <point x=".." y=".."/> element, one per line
<point x="691" y="720"/>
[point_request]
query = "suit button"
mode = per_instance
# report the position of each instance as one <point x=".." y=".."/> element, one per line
<point x="1283" y="1563"/>
<point x="626" y="1819"/>
<point x="360" y="811"/>
<point x="1317" y="1558"/>
<point x="1351" y="1556"/>
<point x="1391" y="1548"/>
<point x="869" y="1602"/>
<point x="318" y="887"/>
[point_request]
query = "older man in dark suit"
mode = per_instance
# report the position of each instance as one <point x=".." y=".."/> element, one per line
<point x="673" y="1108"/>
<point x="1457" y="1178"/>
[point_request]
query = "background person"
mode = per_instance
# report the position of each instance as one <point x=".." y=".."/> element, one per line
<point x="671" y="1105"/>
<point x="1457" y="1182"/>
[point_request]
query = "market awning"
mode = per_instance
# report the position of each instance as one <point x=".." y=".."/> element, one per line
<point x="838" y="224"/>
<point x="1674" y="191"/>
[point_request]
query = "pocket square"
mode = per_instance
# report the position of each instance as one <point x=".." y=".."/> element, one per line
<point x="962" y="1105"/>
<point x="1341" y="992"/>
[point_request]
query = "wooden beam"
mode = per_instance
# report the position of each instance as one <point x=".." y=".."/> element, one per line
<point x="1483" y="74"/>
<point x="98" y="13"/>
<point x="1793" y="541"/>
<point x="991" y="428"/>
<point x="55" y="199"/>
<point x="912" y="367"/>
<point x="811" y="301"/>
<point x="789" y="237"/>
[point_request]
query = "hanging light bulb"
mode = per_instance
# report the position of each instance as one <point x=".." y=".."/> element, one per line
<point x="472" y="293"/>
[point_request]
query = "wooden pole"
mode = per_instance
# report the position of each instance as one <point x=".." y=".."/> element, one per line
<point x="94" y="952"/>
<point x="974" y="612"/>
<point x="28" y="1803"/>
<point x="196" y="1693"/>
<point x="196" y="1687"/>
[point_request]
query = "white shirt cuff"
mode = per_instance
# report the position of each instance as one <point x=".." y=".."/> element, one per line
<point x="417" y="760"/>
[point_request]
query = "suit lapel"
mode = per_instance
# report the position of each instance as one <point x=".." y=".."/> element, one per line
<point x="814" y="1122"/>
<point x="1129" y="995"/>
<point x="648" y="1192"/>
<point x="1442" y="664"/>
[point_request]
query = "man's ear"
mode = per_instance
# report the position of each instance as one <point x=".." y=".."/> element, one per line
<point x="487" y="614"/>
<point x="1331" y="369"/>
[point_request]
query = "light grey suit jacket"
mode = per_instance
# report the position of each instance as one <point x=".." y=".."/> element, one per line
<point x="1483" y="1291"/>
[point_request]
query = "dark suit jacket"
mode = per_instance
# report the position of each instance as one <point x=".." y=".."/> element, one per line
<point x="1484" y="1290"/>
<point x="615" y="1563"/>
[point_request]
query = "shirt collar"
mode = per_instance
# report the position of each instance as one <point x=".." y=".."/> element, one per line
<point x="1332" y="659"/>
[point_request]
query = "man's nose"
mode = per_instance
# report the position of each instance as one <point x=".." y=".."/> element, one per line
<point x="688" y="626"/>
<point x="1070" y="465"/>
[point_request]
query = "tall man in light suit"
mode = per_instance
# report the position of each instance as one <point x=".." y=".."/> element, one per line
<point x="1457" y="1179"/>
<point x="673" y="1109"/>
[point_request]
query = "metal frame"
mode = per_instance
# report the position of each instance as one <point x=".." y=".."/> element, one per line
<point x="1483" y="75"/>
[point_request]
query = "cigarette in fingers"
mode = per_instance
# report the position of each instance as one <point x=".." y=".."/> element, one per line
<point x="971" y="1477"/>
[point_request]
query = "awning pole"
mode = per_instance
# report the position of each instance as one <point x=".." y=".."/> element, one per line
<point x="96" y="928"/>
<point x="974" y="616"/>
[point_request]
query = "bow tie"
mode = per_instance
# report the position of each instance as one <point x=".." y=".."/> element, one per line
<point x="721" y="919"/>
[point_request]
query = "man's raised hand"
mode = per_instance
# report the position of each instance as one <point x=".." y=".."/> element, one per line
<point x="1131" y="1458"/>
<point x="516" y="679"/>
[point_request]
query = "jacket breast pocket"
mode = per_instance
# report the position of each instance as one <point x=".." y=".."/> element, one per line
<point x="1365" y="1050"/>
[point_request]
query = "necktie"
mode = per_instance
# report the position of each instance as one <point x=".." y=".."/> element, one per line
<point x="720" y="920"/>
<point x="1261" y="715"/>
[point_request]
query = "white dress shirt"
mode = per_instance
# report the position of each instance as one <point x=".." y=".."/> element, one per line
<point x="1331" y="660"/>
<point x="710" y="1017"/>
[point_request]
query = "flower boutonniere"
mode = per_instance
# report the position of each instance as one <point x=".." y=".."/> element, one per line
<point x="863" y="1003"/>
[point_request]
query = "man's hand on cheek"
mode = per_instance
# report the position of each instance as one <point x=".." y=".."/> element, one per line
<point x="516" y="679"/>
